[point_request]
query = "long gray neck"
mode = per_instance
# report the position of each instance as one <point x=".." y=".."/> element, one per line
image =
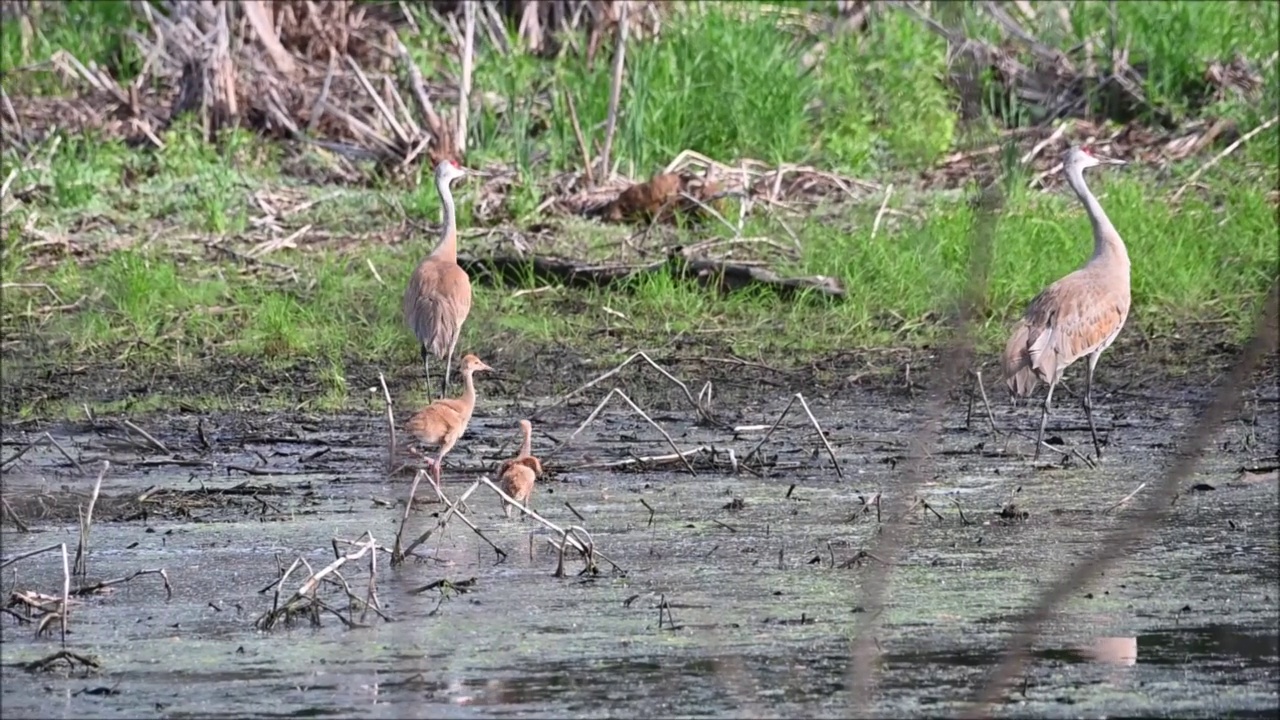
<point x="1106" y="241"/>
<point x="448" y="247"/>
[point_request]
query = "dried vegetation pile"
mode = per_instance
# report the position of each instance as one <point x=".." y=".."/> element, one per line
<point x="334" y="75"/>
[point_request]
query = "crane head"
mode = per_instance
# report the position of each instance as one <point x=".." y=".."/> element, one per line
<point x="471" y="364"/>
<point x="1082" y="157"/>
<point x="448" y="170"/>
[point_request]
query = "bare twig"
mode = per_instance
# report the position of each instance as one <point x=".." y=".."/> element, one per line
<point x="615" y="88"/>
<point x="821" y="435"/>
<point x="703" y="413"/>
<point x="468" y="60"/>
<point x="99" y="586"/>
<point x="548" y="524"/>
<point x="502" y="554"/>
<point x="639" y="412"/>
<point x="1225" y="152"/>
<point x="82" y="547"/>
<point x="444" y="520"/>
<point x="875" y="225"/>
<point x="396" y="555"/>
<point x="149" y="438"/>
<point x="391" y="427"/>
<point x="1125" y="499"/>
<point x="577" y="133"/>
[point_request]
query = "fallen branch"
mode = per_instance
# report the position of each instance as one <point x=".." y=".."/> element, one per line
<point x="719" y="275"/>
<point x="100" y="586"/>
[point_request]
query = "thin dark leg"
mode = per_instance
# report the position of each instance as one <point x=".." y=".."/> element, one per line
<point x="1088" y="405"/>
<point x="426" y="363"/>
<point x="1044" y="420"/>
<point x="448" y="368"/>
<point x="968" y="414"/>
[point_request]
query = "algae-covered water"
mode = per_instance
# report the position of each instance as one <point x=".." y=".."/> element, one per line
<point x="741" y="592"/>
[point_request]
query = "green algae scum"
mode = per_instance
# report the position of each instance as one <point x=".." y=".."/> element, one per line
<point x="740" y="585"/>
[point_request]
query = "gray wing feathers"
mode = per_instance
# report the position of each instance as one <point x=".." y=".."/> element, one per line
<point x="436" y="303"/>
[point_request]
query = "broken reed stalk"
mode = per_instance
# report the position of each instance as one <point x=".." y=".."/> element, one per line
<point x="81" y="565"/>
<point x="66" y="580"/>
<point x="66" y="594"/>
<point x="547" y="523"/>
<point x="502" y="554"/>
<point x="681" y="455"/>
<point x="991" y="418"/>
<point x="396" y="555"/>
<point x="821" y="435"/>
<point x="577" y="134"/>
<point x="1120" y="543"/>
<point x="391" y="425"/>
<point x="615" y="88"/>
<point x="703" y="413"/>
<point x="893" y="535"/>
<point x="444" y="520"/>
<point x="468" y="61"/>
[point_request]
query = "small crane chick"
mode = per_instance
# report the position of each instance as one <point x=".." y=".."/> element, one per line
<point x="517" y="475"/>
<point x="443" y="422"/>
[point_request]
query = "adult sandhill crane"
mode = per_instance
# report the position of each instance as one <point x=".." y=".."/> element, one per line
<point x="518" y="474"/>
<point x="438" y="297"/>
<point x="442" y="423"/>
<point x="1079" y="315"/>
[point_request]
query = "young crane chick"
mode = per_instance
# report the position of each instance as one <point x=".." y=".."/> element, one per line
<point x="442" y="423"/>
<point x="516" y="476"/>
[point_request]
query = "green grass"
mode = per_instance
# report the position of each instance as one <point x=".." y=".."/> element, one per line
<point x="152" y="291"/>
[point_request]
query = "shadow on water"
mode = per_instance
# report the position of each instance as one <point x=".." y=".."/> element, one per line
<point x="741" y="591"/>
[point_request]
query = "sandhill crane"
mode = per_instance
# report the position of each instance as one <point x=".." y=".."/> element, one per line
<point x="442" y="423"/>
<point x="518" y="474"/>
<point x="1079" y="315"/>
<point x="438" y="297"/>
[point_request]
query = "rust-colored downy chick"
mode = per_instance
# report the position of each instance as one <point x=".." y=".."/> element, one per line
<point x="517" y="475"/>
<point x="443" y="422"/>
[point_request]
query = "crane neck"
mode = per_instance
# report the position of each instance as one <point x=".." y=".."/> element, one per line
<point x="527" y="445"/>
<point x="448" y="247"/>
<point x="1106" y="240"/>
<point x="468" y="392"/>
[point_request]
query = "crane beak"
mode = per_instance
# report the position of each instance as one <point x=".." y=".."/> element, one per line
<point x="1112" y="161"/>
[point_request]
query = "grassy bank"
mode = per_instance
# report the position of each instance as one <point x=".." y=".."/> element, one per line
<point x="144" y="258"/>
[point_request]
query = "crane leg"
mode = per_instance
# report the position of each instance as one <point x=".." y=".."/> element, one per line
<point x="426" y="363"/>
<point x="968" y="414"/>
<point x="448" y="368"/>
<point x="1088" y="405"/>
<point x="1044" y="419"/>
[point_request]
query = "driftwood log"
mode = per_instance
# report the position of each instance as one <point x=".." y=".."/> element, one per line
<point x="721" y="276"/>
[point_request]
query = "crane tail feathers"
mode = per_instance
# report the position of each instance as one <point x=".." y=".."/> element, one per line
<point x="1019" y="373"/>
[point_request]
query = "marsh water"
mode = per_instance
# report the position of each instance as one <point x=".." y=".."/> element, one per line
<point x="743" y="583"/>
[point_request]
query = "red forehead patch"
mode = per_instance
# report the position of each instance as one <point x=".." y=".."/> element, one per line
<point x="1086" y="151"/>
